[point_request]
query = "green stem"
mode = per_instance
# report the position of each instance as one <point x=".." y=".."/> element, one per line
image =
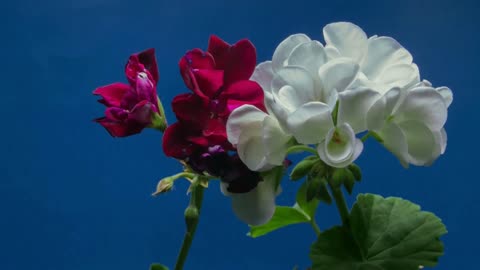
<point x="340" y="203"/>
<point x="315" y="227"/>
<point x="366" y="136"/>
<point x="299" y="148"/>
<point x="196" y="202"/>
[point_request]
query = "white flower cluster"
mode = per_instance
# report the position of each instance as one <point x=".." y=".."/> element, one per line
<point x="375" y="85"/>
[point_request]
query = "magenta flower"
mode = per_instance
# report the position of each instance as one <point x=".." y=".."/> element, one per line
<point x="134" y="106"/>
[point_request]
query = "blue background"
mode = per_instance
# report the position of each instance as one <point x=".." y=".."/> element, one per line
<point x="71" y="197"/>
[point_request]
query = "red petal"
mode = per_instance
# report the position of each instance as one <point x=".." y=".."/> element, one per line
<point x="209" y="80"/>
<point x="175" y="143"/>
<point x="118" y="129"/>
<point x="240" y="62"/>
<point x="148" y="59"/>
<point x="142" y="62"/>
<point x="244" y="92"/>
<point x="194" y="60"/>
<point x="190" y="108"/>
<point x="112" y="94"/>
<point x="219" y="50"/>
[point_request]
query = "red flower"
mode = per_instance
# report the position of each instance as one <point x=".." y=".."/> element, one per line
<point x="220" y="82"/>
<point x="132" y="107"/>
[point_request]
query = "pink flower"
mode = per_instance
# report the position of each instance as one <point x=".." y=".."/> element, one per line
<point x="134" y="106"/>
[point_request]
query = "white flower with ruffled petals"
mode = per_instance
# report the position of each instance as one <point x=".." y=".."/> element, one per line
<point x="410" y="122"/>
<point x="260" y="140"/>
<point x="384" y="63"/>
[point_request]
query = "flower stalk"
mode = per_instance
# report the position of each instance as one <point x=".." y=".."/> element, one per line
<point x="192" y="215"/>
<point x="340" y="203"/>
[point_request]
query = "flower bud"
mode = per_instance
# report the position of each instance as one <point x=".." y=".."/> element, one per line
<point x="342" y="176"/>
<point x="302" y="168"/>
<point x="357" y="172"/>
<point x="191" y="217"/>
<point x="164" y="185"/>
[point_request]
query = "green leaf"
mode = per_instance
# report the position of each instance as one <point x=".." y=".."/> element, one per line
<point x="282" y="217"/>
<point x="384" y="234"/>
<point x="157" y="266"/>
<point x="307" y="207"/>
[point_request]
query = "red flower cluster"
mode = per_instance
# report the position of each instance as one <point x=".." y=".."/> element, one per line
<point x="220" y="82"/>
<point x="132" y="107"/>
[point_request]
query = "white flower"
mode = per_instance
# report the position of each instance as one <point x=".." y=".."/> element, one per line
<point x="257" y="206"/>
<point x="261" y="142"/>
<point x="410" y="123"/>
<point x="383" y="62"/>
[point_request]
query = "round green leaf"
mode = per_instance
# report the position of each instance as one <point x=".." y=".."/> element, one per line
<point x="384" y="234"/>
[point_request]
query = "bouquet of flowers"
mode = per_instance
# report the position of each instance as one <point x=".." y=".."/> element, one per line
<point x="240" y="122"/>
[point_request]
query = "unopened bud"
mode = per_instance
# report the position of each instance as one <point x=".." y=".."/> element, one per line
<point x="357" y="172"/>
<point x="164" y="185"/>
<point x="341" y="176"/>
<point x="302" y="168"/>
<point x="191" y="217"/>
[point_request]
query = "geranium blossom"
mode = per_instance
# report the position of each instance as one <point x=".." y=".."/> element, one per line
<point x="134" y="106"/>
<point x="220" y="82"/>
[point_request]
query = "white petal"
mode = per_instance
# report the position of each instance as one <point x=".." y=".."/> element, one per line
<point x="340" y="147"/>
<point x="377" y="114"/>
<point x="275" y="141"/>
<point x="423" y="104"/>
<point x="400" y="75"/>
<point x="353" y="107"/>
<point x="252" y="151"/>
<point x="286" y="47"/>
<point x="422" y="144"/>
<point x="442" y="139"/>
<point x="446" y="94"/>
<point x="382" y="53"/>
<point x="257" y="206"/>
<point x="263" y="75"/>
<point x="310" y="123"/>
<point x="310" y="55"/>
<point x="332" y="52"/>
<point x="347" y="38"/>
<point x="243" y="118"/>
<point x="395" y="141"/>
<point x="301" y="88"/>
<point x="337" y="75"/>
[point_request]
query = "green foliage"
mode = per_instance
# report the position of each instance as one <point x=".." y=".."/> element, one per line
<point x="157" y="266"/>
<point x="301" y="212"/>
<point x="383" y="234"/>
<point x="302" y="168"/>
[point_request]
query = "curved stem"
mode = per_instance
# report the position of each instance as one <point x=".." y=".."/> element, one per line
<point x="195" y="201"/>
<point x="299" y="148"/>
<point x="315" y="227"/>
<point x="340" y="203"/>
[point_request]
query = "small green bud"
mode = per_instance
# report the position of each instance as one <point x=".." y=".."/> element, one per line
<point x="302" y="168"/>
<point x="357" y="172"/>
<point x="164" y="185"/>
<point x="349" y="181"/>
<point x="157" y="266"/>
<point x="341" y="176"/>
<point x="323" y="194"/>
<point x="191" y="216"/>
<point x="313" y="187"/>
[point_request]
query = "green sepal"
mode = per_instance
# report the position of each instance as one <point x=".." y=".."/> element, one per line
<point x="357" y="172"/>
<point x="314" y="184"/>
<point x="323" y="194"/>
<point x="340" y="176"/>
<point x="383" y="234"/>
<point x="157" y="266"/>
<point x="302" y="168"/>
<point x="349" y="181"/>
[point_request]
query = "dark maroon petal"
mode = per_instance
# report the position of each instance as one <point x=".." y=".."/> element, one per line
<point x="118" y="129"/>
<point x="244" y="92"/>
<point x="194" y="60"/>
<point x="239" y="178"/>
<point x="209" y="80"/>
<point x="142" y="62"/>
<point x="116" y="114"/>
<point x="240" y="62"/>
<point x="112" y="94"/>
<point x="149" y="61"/>
<point x="219" y="50"/>
<point x="141" y="114"/>
<point x="175" y="143"/>
<point x="190" y="108"/>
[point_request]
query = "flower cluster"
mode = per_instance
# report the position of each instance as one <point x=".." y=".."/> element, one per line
<point x="219" y="79"/>
<point x="134" y="106"/>
<point x="324" y="95"/>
